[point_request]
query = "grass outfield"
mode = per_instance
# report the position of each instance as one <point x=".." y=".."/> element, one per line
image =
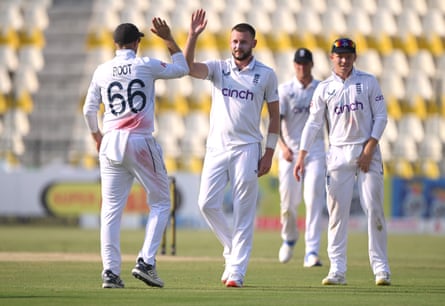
<point x="61" y="266"/>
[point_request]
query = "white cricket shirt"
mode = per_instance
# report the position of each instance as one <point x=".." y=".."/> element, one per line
<point x="125" y="85"/>
<point x="355" y="109"/>
<point x="237" y="101"/>
<point x="295" y="101"/>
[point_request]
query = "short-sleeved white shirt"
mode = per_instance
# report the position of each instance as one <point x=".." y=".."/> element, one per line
<point x="295" y="101"/>
<point x="237" y="101"/>
<point x="355" y="108"/>
<point x="125" y="85"/>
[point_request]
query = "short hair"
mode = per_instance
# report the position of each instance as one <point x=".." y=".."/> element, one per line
<point x="244" y="27"/>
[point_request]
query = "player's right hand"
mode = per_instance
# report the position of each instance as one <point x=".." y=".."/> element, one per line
<point x="198" y="23"/>
<point x="97" y="136"/>
<point x="288" y="154"/>
<point x="299" y="165"/>
<point x="298" y="172"/>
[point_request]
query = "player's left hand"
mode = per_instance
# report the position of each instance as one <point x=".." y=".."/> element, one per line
<point x="363" y="161"/>
<point x="287" y="154"/>
<point x="161" y="28"/>
<point x="265" y="162"/>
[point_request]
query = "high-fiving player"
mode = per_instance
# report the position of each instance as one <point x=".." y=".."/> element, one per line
<point x="127" y="149"/>
<point x="241" y="85"/>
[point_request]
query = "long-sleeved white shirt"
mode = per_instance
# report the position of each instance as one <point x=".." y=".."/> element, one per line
<point x="355" y="109"/>
<point x="126" y="86"/>
<point x="294" y="110"/>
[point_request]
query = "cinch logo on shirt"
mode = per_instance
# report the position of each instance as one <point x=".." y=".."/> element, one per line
<point x="298" y="110"/>
<point x="379" y="98"/>
<point x="348" y="108"/>
<point x="237" y="94"/>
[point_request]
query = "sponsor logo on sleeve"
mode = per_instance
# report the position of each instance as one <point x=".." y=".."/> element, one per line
<point x="379" y="98"/>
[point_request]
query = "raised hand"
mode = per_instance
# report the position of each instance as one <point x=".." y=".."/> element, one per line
<point x="198" y="23"/>
<point x="161" y="28"/>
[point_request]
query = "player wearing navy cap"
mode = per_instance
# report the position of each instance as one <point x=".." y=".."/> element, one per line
<point x="295" y="98"/>
<point x="241" y="85"/>
<point x="127" y="149"/>
<point x="355" y="108"/>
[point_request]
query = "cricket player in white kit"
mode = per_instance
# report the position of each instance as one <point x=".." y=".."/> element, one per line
<point x="241" y="85"/>
<point x="355" y="109"/>
<point x="295" y="98"/>
<point x="127" y="149"/>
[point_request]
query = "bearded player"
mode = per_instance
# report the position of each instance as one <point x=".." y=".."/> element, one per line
<point x="241" y="85"/>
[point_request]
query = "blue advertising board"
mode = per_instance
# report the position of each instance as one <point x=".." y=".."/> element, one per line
<point x="418" y="197"/>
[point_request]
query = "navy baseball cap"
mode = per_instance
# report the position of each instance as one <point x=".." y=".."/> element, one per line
<point x="343" y="45"/>
<point x="303" y="55"/>
<point x="126" y="33"/>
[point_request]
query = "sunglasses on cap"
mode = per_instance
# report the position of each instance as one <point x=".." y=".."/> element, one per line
<point x="343" y="45"/>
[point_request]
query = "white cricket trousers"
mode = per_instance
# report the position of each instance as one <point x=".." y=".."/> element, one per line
<point x="342" y="172"/>
<point x="142" y="160"/>
<point x="238" y="165"/>
<point x="292" y="192"/>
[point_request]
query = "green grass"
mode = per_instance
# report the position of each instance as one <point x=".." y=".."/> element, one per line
<point x="192" y="277"/>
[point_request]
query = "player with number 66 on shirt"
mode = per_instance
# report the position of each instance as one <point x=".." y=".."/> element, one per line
<point x="127" y="149"/>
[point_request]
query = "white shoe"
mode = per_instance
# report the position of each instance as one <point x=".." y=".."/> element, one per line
<point x="236" y="283"/>
<point x="334" y="278"/>
<point x="312" y="260"/>
<point x="235" y="280"/>
<point x="382" y="278"/>
<point x="286" y="252"/>
<point x="225" y="276"/>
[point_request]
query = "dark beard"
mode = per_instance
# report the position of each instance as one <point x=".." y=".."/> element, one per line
<point x="243" y="56"/>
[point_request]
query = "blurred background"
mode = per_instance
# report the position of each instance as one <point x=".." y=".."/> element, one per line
<point x="50" y="48"/>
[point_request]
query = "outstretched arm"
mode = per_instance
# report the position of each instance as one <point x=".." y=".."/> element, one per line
<point x="161" y="29"/>
<point x="179" y="66"/>
<point x="197" y="26"/>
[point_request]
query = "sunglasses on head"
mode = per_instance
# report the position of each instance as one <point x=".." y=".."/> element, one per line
<point x="344" y="42"/>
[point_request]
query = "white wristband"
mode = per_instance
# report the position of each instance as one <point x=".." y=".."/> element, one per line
<point x="271" y="140"/>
